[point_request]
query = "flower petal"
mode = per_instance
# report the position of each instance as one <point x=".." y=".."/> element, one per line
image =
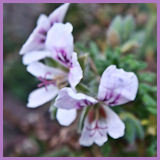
<point x="95" y="131"/>
<point x="38" y="69"/>
<point x="37" y="38"/>
<point x="60" y="42"/>
<point x="117" y="86"/>
<point x="85" y="139"/>
<point x="75" y="73"/>
<point x="35" y="56"/>
<point x="58" y="14"/>
<point x="68" y="99"/>
<point x="66" y="117"/>
<point x="42" y="95"/>
<point x="115" y="125"/>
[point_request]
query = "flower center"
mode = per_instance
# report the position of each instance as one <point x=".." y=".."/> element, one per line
<point x="59" y="81"/>
<point x="96" y="114"/>
<point x="44" y="82"/>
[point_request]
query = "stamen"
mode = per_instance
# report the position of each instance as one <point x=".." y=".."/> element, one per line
<point x="45" y="82"/>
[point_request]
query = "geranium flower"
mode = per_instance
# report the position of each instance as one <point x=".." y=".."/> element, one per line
<point x="36" y="40"/>
<point x="52" y="79"/>
<point x="59" y="44"/>
<point x="116" y="87"/>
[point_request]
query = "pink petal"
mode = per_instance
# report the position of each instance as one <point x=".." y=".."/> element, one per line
<point x="116" y="127"/>
<point x="59" y="42"/>
<point x="38" y="69"/>
<point x="94" y="132"/>
<point x="41" y="96"/>
<point x="75" y="73"/>
<point x="37" y="38"/>
<point x="34" y="56"/>
<point x="117" y="86"/>
<point x="58" y="14"/>
<point x="68" y="99"/>
<point x="66" y="117"/>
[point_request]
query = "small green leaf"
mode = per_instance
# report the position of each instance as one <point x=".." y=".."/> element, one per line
<point x="128" y="27"/>
<point x="149" y="101"/>
<point x="130" y="132"/>
<point x="139" y="37"/>
<point x="129" y="46"/>
<point x="94" y="51"/>
<point x="117" y="24"/>
<point x="147" y="76"/>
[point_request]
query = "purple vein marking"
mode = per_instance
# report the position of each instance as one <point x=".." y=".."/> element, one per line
<point x="45" y="82"/>
<point x="96" y="128"/>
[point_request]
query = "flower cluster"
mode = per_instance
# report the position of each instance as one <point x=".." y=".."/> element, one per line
<point x="53" y="39"/>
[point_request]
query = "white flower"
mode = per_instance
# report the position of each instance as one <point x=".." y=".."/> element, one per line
<point x="96" y="130"/>
<point x="116" y="87"/>
<point x="51" y="80"/>
<point x="59" y="46"/>
<point x="36" y="40"/>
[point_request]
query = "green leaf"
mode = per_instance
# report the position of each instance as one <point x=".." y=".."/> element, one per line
<point x="129" y="46"/>
<point x="117" y="24"/>
<point x="145" y="88"/>
<point x="80" y="47"/>
<point x="130" y="132"/>
<point x="139" y="37"/>
<point x="132" y="121"/>
<point x="149" y="101"/>
<point x="147" y="76"/>
<point x="94" y="51"/>
<point x="128" y="27"/>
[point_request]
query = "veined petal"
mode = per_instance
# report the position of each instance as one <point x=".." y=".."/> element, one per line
<point x="75" y="73"/>
<point x="35" y="56"/>
<point x="66" y="117"/>
<point x="117" y="86"/>
<point x="60" y="42"/>
<point x="68" y="99"/>
<point x="58" y="14"/>
<point x="115" y="125"/>
<point x="42" y="95"/>
<point x="37" y="38"/>
<point x="94" y="132"/>
<point x="38" y="69"/>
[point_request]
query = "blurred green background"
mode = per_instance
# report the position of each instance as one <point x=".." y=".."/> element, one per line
<point x="121" y="34"/>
